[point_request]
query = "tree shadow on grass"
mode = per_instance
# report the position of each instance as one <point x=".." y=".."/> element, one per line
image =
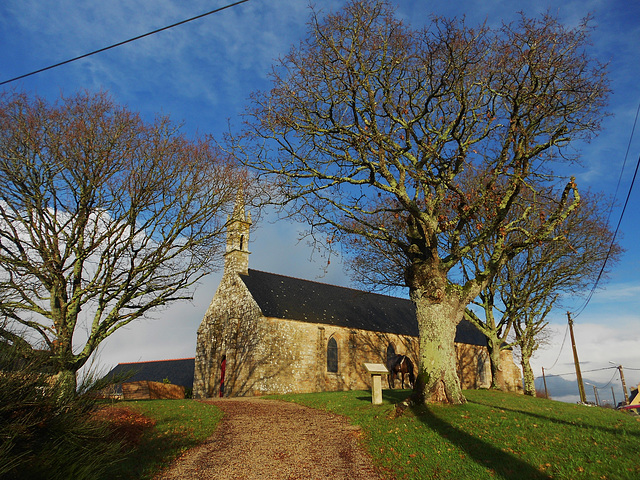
<point x="391" y="396"/>
<point x="556" y="420"/>
<point x="154" y="455"/>
<point x="488" y="456"/>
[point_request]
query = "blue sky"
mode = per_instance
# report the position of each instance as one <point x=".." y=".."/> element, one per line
<point x="202" y="73"/>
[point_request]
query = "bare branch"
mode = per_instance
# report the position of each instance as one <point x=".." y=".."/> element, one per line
<point x="104" y="217"/>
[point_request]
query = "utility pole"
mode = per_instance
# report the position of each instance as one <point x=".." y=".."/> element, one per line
<point x="583" y="397"/>
<point x="613" y="394"/>
<point x="624" y="386"/>
<point x="544" y="379"/>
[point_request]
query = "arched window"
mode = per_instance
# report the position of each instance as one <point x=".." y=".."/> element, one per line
<point x="332" y="355"/>
<point x="391" y="353"/>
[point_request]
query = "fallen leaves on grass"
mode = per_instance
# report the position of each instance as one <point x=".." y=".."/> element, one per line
<point x="125" y="423"/>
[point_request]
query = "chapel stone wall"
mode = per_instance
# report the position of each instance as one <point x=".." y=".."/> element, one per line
<point x="270" y="355"/>
<point x="306" y="353"/>
<point x="294" y="360"/>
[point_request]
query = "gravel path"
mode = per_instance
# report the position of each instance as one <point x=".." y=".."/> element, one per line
<point x="268" y="439"/>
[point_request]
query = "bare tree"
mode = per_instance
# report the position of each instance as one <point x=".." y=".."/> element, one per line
<point x="371" y="127"/>
<point x="103" y="218"/>
<point x="495" y="327"/>
<point x="539" y="279"/>
<point x="527" y="288"/>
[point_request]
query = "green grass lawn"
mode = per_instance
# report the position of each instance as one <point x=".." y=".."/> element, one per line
<point x="494" y="435"/>
<point x="179" y="425"/>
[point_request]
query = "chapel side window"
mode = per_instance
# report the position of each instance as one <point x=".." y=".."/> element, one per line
<point x="332" y="355"/>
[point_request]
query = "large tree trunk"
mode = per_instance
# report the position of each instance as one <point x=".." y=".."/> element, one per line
<point x="438" y="380"/>
<point x="63" y="362"/>
<point x="438" y="316"/>
<point x="66" y="384"/>
<point x="497" y="374"/>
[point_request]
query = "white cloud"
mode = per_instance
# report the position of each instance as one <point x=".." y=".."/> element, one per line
<point x="619" y="291"/>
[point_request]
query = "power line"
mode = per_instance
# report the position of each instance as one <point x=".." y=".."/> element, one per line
<point x="624" y="208"/>
<point x="589" y="371"/>
<point x="615" y="234"/>
<point x="609" y="382"/>
<point x="624" y="164"/>
<point x="123" y="42"/>
<point x="586" y="371"/>
<point x="561" y="347"/>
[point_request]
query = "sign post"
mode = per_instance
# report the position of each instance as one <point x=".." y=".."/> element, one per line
<point x="376" y="370"/>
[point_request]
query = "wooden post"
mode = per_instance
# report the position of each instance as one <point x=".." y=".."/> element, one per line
<point x="376" y="389"/>
<point x="544" y="379"/>
<point x="583" y="397"/>
<point x="624" y="385"/>
<point x="376" y="370"/>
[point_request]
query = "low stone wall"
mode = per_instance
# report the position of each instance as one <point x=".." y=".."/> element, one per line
<point x="145" y="390"/>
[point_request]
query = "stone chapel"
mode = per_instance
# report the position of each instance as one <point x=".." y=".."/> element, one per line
<point x="280" y="334"/>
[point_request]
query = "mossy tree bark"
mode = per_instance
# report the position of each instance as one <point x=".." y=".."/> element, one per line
<point x="527" y="374"/>
<point x="437" y="381"/>
<point x="66" y="384"/>
<point x="497" y="374"/>
<point x="438" y="315"/>
<point x="495" y="332"/>
<point x="528" y="338"/>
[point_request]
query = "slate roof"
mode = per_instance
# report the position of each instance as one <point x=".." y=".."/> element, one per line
<point x="291" y="298"/>
<point x="178" y="371"/>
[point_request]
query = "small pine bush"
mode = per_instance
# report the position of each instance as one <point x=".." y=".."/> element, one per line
<point x="43" y="434"/>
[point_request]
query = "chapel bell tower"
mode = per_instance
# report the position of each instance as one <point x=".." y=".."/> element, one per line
<point x="236" y="258"/>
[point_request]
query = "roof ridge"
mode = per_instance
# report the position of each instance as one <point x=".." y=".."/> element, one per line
<point x="331" y="285"/>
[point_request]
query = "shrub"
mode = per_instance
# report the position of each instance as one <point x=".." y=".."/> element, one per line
<point x="44" y="433"/>
<point x="541" y="394"/>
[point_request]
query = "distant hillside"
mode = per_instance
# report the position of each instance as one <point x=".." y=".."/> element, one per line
<point x="565" y="390"/>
